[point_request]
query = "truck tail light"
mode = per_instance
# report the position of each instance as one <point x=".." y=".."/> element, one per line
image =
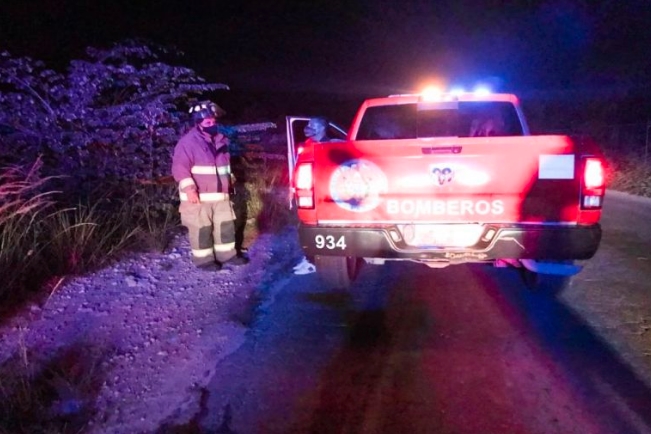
<point x="304" y="185"/>
<point x="594" y="183"/>
<point x="594" y="175"/>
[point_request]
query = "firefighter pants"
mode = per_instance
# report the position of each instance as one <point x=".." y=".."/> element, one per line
<point x="211" y="229"/>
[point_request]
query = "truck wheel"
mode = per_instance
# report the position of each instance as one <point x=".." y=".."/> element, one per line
<point x="548" y="276"/>
<point x="337" y="272"/>
<point x="549" y="283"/>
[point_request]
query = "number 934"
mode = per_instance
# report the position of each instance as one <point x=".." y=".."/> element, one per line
<point x="330" y="242"/>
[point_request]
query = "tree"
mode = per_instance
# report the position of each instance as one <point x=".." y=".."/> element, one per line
<point x="113" y="116"/>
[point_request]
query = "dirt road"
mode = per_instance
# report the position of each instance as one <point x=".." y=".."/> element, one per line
<point x="466" y="349"/>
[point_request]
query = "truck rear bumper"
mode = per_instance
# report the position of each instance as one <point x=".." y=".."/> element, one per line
<point x="540" y="242"/>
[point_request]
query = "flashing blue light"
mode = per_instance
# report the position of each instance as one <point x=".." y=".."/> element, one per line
<point x="456" y="91"/>
<point x="482" y="91"/>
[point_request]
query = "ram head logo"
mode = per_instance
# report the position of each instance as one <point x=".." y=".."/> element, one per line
<point x="442" y="175"/>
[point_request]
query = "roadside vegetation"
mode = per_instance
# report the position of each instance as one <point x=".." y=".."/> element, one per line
<point x="629" y="173"/>
<point x="44" y="238"/>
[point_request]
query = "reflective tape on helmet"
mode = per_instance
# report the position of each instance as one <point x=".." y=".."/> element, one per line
<point x="206" y="109"/>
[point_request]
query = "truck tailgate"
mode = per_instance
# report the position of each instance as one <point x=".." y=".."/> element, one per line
<point x="528" y="179"/>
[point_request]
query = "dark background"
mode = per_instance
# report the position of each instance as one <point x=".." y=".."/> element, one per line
<point x="326" y="55"/>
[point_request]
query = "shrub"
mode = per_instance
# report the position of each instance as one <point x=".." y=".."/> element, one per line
<point x="112" y="117"/>
<point x="629" y="173"/>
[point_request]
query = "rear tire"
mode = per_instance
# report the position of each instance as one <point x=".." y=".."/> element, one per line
<point x="548" y="283"/>
<point x="337" y="272"/>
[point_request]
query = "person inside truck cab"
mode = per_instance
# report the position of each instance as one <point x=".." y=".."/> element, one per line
<point x="316" y="130"/>
<point x="487" y="126"/>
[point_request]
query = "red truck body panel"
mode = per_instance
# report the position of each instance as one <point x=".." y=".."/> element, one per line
<point x="401" y="195"/>
<point x="529" y="179"/>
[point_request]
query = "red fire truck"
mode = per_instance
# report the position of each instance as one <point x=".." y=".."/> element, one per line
<point x="445" y="179"/>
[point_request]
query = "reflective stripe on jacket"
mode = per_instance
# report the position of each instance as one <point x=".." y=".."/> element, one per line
<point x="204" y="164"/>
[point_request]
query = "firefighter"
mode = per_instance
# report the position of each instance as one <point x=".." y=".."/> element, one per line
<point x="201" y="166"/>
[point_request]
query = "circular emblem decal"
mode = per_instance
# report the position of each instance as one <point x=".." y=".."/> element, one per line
<point x="356" y="185"/>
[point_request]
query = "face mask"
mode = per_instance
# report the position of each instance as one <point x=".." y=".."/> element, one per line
<point x="212" y="130"/>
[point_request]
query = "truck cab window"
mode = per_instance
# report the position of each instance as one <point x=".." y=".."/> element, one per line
<point x="465" y="119"/>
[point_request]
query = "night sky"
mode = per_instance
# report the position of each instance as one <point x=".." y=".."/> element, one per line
<point x="367" y="46"/>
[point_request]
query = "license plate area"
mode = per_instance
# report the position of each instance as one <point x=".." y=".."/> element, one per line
<point x="441" y="235"/>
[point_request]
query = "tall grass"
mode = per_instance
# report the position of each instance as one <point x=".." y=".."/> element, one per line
<point x="23" y="203"/>
<point x="41" y="239"/>
<point x="154" y="207"/>
<point x="20" y="197"/>
<point x="85" y="236"/>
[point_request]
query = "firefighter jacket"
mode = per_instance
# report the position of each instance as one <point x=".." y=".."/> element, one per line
<point x="204" y="164"/>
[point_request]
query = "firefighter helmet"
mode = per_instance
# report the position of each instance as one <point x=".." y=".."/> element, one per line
<point x="205" y="109"/>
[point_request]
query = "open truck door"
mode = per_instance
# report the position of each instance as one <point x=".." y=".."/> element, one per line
<point x="295" y="136"/>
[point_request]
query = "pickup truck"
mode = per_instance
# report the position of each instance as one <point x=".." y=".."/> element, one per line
<point x="446" y="179"/>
